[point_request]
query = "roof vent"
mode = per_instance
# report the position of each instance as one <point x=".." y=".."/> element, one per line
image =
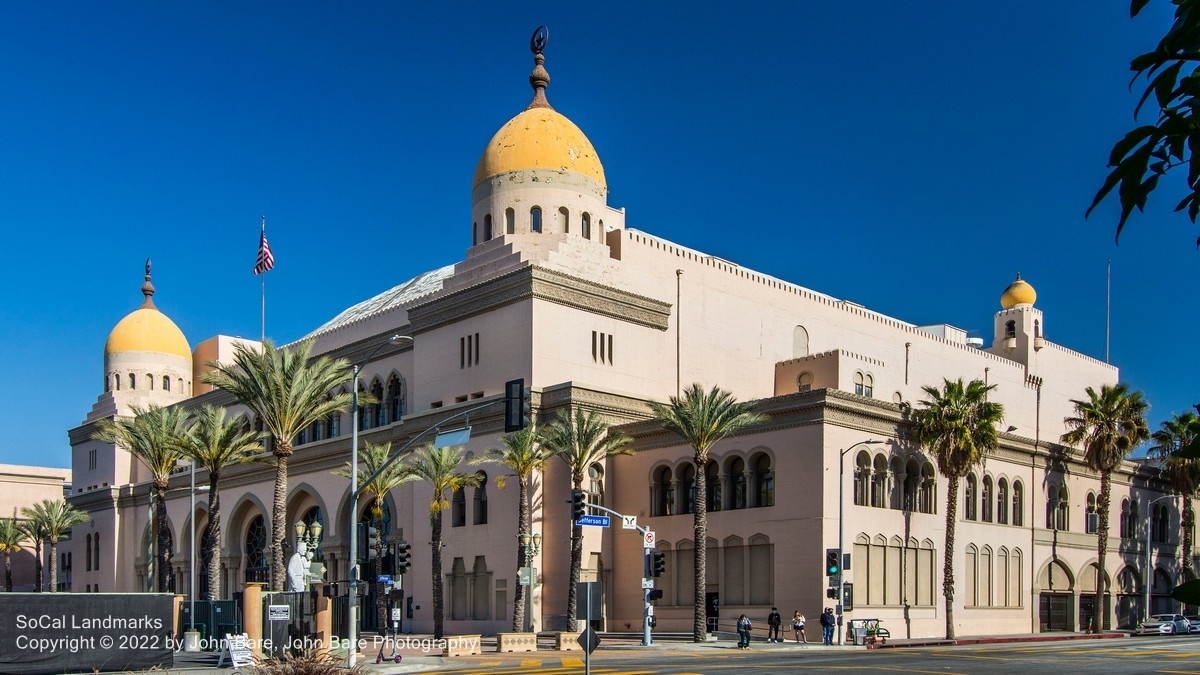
<point x="975" y="342"/>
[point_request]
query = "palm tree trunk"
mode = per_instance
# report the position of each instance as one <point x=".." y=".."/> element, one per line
<point x="212" y="535"/>
<point x="37" y="551"/>
<point x="576" y="564"/>
<point x="948" y="558"/>
<point x="700" y="532"/>
<point x="381" y="618"/>
<point x="53" y="565"/>
<point x="279" y="516"/>
<point x="1188" y="517"/>
<point x="438" y="599"/>
<point x="1102" y="505"/>
<point x="7" y="572"/>
<point x="523" y="527"/>
<point x="163" y="550"/>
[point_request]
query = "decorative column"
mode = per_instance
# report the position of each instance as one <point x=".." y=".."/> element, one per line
<point x="252" y="615"/>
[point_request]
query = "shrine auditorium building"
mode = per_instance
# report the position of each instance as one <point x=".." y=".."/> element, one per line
<point x="556" y="289"/>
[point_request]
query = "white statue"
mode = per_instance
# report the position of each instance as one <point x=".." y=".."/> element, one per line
<point x="297" y="569"/>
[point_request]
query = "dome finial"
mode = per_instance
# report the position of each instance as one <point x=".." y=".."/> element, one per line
<point x="148" y="288"/>
<point x="539" y="78"/>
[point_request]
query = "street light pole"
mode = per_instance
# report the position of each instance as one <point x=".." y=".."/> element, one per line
<point x="841" y="531"/>
<point x="192" y="581"/>
<point x="1149" y="570"/>
<point x="352" y="620"/>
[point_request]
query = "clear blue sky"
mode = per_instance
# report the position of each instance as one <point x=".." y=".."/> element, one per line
<point x="911" y="157"/>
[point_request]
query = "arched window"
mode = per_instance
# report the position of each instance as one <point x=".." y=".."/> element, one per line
<point x="258" y="568"/>
<point x="1037" y="328"/>
<point x="480" y="504"/>
<point x="1002" y="501"/>
<point x="712" y="487"/>
<point x="586" y="225"/>
<point x="862" y="478"/>
<point x="1162" y="520"/>
<point x="1061" y="511"/>
<point x="687" y="483"/>
<point x="858" y="383"/>
<point x="149" y="381"/>
<point x="969" y="504"/>
<point x="1010" y="329"/>
<point x="510" y="221"/>
<point x="737" y="482"/>
<point x="166" y="383"/>
<point x="535" y="219"/>
<point x="132" y="381"/>
<point x="88" y="557"/>
<point x="664" y="493"/>
<point x="799" y="343"/>
<point x="925" y="497"/>
<point x="364" y="412"/>
<point x="376" y="410"/>
<point x="395" y="399"/>
<point x="985" y="499"/>
<point x="1123" y="523"/>
<point x="458" y="508"/>
<point x="487" y="227"/>
<point x="1090" y="523"/>
<point x="869" y="385"/>
<point x="804" y="381"/>
<point x="1018" y="511"/>
<point x="564" y="219"/>
<point x="764" y="481"/>
<point x="879" y="476"/>
<point x="595" y="485"/>
<point x="96" y="552"/>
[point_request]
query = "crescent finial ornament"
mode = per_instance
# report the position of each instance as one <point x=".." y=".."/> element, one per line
<point x="537" y="43"/>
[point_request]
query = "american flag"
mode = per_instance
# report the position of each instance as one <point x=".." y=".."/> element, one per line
<point x="266" y="259"/>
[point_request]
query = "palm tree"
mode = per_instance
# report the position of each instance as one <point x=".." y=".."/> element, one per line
<point x="373" y="457"/>
<point x="54" y="518"/>
<point x="581" y="440"/>
<point x="1109" y="424"/>
<point x="439" y="467"/>
<point x="11" y="536"/>
<point x="152" y="435"/>
<point x="287" y="393"/>
<point x="958" y="425"/>
<point x="523" y="454"/>
<point x="213" y="444"/>
<point x="33" y="531"/>
<point x="1183" y="473"/>
<point x="701" y="419"/>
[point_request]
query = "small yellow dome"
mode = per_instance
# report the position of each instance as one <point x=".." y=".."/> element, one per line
<point x="1018" y="293"/>
<point x="539" y="138"/>
<point x="147" y="330"/>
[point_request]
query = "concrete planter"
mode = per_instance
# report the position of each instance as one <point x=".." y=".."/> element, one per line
<point x="516" y="642"/>
<point x="462" y="645"/>
<point x="567" y="642"/>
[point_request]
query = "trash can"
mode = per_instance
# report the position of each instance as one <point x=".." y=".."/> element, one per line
<point x="858" y="631"/>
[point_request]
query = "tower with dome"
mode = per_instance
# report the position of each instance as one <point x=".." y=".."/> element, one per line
<point x="557" y="288"/>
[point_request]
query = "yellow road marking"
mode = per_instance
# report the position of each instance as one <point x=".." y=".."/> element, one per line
<point x="572" y="662"/>
<point x="531" y="663"/>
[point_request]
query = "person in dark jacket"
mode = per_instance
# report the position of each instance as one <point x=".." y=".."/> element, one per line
<point x="827" y="623"/>
<point x="774" y="621"/>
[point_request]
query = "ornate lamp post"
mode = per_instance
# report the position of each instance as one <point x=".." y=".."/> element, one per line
<point x="841" y="527"/>
<point x="531" y="545"/>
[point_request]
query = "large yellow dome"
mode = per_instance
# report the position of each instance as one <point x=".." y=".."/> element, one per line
<point x="1018" y="292"/>
<point x="539" y="138"/>
<point x="147" y="330"/>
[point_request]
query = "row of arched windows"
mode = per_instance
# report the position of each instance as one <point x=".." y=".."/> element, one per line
<point x="993" y="579"/>
<point x="389" y="407"/>
<point x="742" y="571"/>
<point x="864" y="384"/>
<point x="903" y="485"/>
<point x="562" y="222"/>
<point x="1058" y="504"/>
<point x="1160" y="521"/>
<point x="113" y="382"/>
<point x="729" y="484"/>
<point x="989" y="501"/>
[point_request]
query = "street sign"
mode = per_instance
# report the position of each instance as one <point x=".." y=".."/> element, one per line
<point x="279" y="612"/>
<point x="524" y="575"/>
<point x="383" y="579"/>
<point x="628" y="522"/>
<point x="647" y="584"/>
<point x="396" y="613"/>
<point x="589" y="640"/>
<point x="594" y="521"/>
<point x="649" y="539"/>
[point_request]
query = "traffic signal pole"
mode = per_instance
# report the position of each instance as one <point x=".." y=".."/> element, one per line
<point x="647" y="558"/>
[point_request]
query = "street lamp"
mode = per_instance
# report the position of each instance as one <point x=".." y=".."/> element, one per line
<point x="841" y="528"/>
<point x="1149" y="570"/>
<point x="192" y="573"/>
<point x="310" y="537"/>
<point x="352" y="620"/>
<point x="531" y="545"/>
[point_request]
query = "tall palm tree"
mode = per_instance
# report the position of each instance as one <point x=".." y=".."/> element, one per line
<point x="288" y="393"/>
<point x="152" y="435"/>
<point x="11" y="536"/>
<point x="958" y="425"/>
<point x="701" y="419"/>
<point x="439" y="467"/>
<point x="580" y="440"/>
<point x="522" y="454"/>
<point x="33" y="531"/>
<point x="54" y="518"/>
<point x="213" y="443"/>
<point x="1109" y="423"/>
<point x="373" y="457"/>
<point x="1182" y="472"/>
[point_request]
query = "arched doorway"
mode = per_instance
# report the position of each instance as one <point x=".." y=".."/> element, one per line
<point x="1055" y="607"/>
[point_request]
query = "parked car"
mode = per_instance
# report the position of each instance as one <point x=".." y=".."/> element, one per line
<point x="1165" y="624"/>
<point x="1195" y="621"/>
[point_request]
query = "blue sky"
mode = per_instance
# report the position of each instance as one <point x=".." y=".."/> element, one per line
<point x="911" y="157"/>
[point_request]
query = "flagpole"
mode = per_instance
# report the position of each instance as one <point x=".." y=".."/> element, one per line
<point x="263" y="312"/>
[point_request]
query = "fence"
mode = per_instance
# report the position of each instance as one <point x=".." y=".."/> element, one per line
<point x="215" y="619"/>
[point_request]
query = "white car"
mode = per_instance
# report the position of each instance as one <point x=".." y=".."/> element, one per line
<point x="1164" y="624"/>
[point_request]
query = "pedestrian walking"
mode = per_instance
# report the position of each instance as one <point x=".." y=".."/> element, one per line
<point x="774" y="622"/>
<point x="827" y="623"/>
<point x="743" y="631"/>
<point x="798" y="621"/>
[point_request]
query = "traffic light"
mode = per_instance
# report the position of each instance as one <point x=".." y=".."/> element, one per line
<point x="833" y="566"/>
<point x="658" y="566"/>
<point x="848" y="597"/>
<point x="403" y="558"/>
<point x="831" y="592"/>
<point x="372" y="541"/>
<point x="517" y="405"/>
<point x="578" y="505"/>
